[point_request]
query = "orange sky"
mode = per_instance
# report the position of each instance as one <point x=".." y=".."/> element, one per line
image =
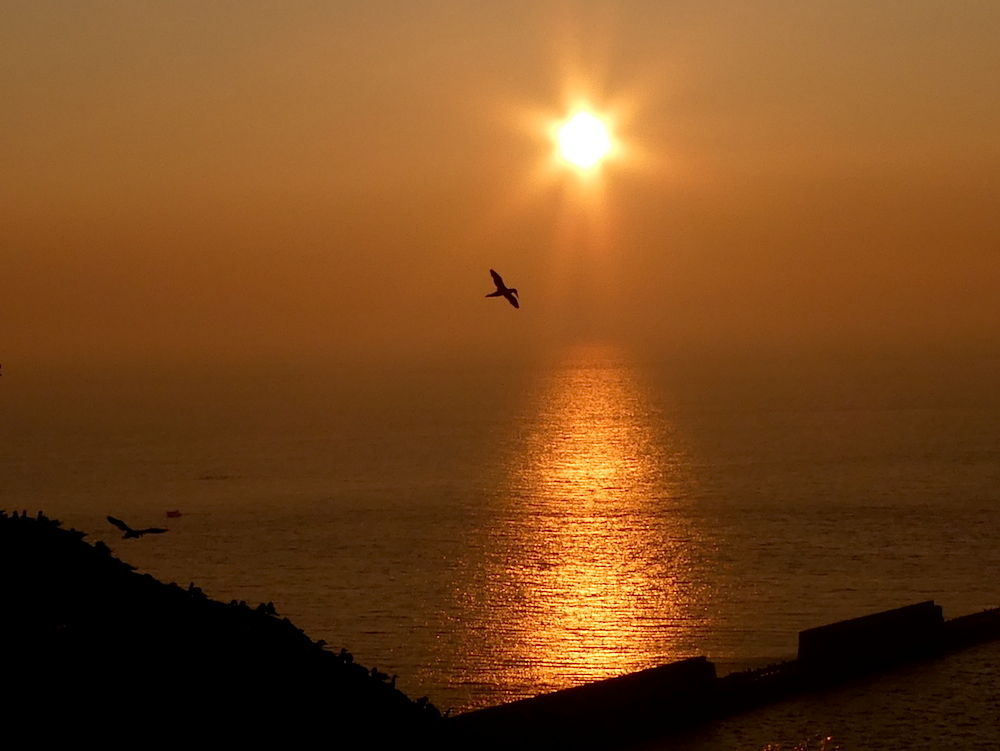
<point x="256" y="179"/>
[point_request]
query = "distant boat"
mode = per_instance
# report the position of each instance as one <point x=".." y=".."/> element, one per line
<point x="175" y="514"/>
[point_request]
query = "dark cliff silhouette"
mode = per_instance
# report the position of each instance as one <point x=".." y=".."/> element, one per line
<point x="88" y="642"/>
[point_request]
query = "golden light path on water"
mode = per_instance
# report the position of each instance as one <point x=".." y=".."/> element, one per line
<point x="588" y="566"/>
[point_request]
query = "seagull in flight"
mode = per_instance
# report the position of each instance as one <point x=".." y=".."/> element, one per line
<point x="129" y="532"/>
<point x="503" y="290"/>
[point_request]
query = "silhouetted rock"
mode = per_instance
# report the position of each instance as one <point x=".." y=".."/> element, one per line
<point x="88" y="640"/>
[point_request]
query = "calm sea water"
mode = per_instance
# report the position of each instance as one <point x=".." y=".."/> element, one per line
<point x="491" y="531"/>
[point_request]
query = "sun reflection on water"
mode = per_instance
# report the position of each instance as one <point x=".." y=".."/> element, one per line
<point x="589" y="556"/>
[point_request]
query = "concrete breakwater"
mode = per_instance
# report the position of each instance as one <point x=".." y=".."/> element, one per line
<point x="662" y="700"/>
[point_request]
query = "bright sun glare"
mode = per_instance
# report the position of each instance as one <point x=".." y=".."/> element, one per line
<point x="583" y="140"/>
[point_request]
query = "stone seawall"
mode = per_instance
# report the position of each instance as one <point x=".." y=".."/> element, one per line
<point x="660" y="701"/>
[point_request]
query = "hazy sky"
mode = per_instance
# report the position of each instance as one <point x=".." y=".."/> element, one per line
<point x="244" y="179"/>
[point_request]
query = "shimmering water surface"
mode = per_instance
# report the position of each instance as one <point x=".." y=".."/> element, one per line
<point x="492" y="531"/>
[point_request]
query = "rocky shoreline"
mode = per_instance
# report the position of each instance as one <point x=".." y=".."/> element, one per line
<point x="89" y="641"/>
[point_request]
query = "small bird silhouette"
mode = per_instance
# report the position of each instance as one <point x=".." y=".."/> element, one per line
<point x="129" y="532"/>
<point x="503" y="290"/>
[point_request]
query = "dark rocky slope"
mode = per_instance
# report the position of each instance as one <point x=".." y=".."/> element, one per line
<point x="89" y="643"/>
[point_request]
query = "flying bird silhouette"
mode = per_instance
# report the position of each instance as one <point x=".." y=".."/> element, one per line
<point x="129" y="532"/>
<point x="503" y="290"/>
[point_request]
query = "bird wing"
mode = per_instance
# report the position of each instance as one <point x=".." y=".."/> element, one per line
<point x="512" y="300"/>
<point x="120" y="524"/>
<point x="151" y="531"/>
<point x="497" y="279"/>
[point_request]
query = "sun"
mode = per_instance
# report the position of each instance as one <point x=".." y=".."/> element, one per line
<point x="584" y="140"/>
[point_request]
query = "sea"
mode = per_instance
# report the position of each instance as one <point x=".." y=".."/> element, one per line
<point x="490" y="529"/>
